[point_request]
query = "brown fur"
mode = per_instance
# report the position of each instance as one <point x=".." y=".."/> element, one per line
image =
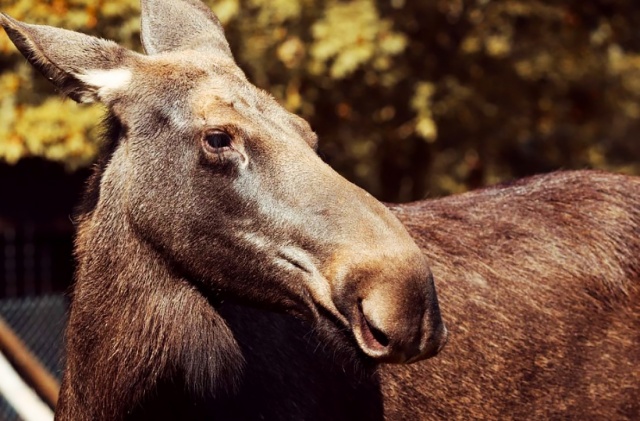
<point x="540" y="283"/>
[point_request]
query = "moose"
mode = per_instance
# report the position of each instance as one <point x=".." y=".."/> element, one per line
<point x="226" y="272"/>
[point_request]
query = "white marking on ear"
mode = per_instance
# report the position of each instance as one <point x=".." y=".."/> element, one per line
<point x="106" y="82"/>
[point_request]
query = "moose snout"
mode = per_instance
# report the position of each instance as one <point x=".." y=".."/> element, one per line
<point x="396" y="319"/>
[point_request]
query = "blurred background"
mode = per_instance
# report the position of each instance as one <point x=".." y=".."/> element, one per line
<point x="411" y="99"/>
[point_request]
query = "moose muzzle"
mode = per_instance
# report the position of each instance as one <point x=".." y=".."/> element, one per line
<point x="392" y="308"/>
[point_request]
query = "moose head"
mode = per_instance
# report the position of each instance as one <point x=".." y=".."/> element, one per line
<point x="225" y="187"/>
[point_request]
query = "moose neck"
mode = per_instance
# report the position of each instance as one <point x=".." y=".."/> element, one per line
<point x="137" y="324"/>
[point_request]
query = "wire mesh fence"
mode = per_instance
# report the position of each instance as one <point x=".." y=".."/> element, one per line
<point x="39" y="322"/>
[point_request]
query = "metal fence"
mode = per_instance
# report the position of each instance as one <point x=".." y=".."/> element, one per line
<point x="39" y="322"/>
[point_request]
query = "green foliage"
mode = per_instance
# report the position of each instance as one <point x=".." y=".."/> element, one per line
<point x="409" y="98"/>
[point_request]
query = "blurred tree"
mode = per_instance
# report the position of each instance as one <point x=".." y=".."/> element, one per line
<point x="410" y="98"/>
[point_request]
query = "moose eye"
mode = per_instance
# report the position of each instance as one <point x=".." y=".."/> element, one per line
<point x="222" y="150"/>
<point x="217" y="140"/>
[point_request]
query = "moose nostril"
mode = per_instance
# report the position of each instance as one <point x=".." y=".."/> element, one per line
<point x="378" y="334"/>
<point x="371" y="331"/>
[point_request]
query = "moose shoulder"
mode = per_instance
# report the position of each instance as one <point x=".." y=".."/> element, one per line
<point x="540" y="282"/>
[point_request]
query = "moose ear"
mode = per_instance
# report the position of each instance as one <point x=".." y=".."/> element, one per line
<point x="83" y="67"/>
<point x="171" y="25"/>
